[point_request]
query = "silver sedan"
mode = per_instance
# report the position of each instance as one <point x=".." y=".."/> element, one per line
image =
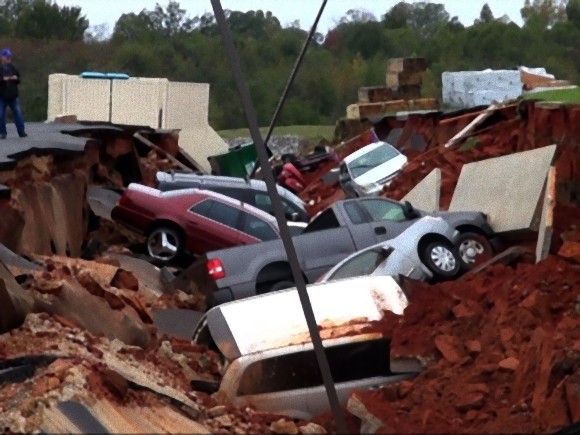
<point x="426" y="250"/>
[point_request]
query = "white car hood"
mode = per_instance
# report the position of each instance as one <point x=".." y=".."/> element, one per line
<point x="382" y="171"/>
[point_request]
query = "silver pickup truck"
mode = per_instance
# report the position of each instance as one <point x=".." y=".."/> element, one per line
<point x="338" y="231"/>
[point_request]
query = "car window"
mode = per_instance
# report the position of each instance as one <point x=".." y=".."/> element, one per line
<point x="354" y="212"/>
<point x="381" y="210"/>
<point x="258" y="228"/>
<point x="325" y="220"/>
<point x="218" y="212"/>
<point x="264" y="202"/>
<point x="362" y="264"/>
<point x="230" y="191"/>
<point x="202" y="207"/>
<point x="348" y="362"/>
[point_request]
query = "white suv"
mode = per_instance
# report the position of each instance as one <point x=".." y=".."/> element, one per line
<point x="270" y="361"/>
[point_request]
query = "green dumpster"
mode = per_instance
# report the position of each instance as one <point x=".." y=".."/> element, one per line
<point x="237" y="162"/>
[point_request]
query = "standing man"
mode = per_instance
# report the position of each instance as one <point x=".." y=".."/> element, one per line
<point x="9" y="95"/>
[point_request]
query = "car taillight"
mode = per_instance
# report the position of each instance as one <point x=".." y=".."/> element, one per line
<point x="215" y="268"/>
<point x="124" y="199"/>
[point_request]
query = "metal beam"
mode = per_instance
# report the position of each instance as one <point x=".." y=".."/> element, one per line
<point x="279" y="213"/>
<point x="293" y="74"/>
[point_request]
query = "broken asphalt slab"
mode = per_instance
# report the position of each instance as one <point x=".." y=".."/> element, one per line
<point x="11" y="259"/>
<point x="176" y="322"/>
<point x="102" y="200"/>
<point x="42" y="139"/>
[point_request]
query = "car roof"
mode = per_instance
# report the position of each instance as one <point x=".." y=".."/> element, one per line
<point x="224" y="181"/>
<point x="280" y="320"/>
<point x="209" y="193"/>
<point x="365" y="150"/>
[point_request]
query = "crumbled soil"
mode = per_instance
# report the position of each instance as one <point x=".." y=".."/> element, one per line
<point x="502" y="349"/>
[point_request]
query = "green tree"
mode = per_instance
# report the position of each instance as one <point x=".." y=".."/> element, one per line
<point x="133" y="27"/>
<point x="171" y="20"/>
<point x="485" y="16"/>
<point x="165" y="22"/>
<point x="398" y="16"/>
<point x="425" y="17"/>
<point x="573" y="12"/>
<point x="358" y="16"/>
<point x="543" y="13"/>
<point x="41" y="19"/>
<point x="256" y="24"/>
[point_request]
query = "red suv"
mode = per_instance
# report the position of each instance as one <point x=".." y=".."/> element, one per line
<point x="191" y="220"/>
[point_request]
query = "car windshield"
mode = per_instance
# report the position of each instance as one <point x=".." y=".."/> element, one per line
<point x="362" y="264"/>
<point x="372" y="159"/>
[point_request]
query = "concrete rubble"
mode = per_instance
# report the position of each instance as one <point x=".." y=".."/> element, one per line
<point x="89" y="340"/>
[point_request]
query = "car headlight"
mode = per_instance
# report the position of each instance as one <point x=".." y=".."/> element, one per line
<point x="389" y="178"/>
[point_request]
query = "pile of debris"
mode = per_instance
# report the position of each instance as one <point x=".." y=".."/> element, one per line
<point x="81" y="353"/>
<point x="453" y="140"/>
<point x="501" y="351"/>
<point x="81" y="350"/>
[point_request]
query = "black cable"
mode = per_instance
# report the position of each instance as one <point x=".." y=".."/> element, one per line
<point x="293" y="74"/>
<point x="252" y="119"/>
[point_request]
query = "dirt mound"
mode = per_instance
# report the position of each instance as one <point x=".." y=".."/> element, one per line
<point x="502" y="349"/>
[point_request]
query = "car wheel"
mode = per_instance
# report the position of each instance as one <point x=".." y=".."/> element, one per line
<point x="474" y="249"/>
<point x="442" y="259"/>
<point x="281" y="285"/>
<point x="164" y="244"/>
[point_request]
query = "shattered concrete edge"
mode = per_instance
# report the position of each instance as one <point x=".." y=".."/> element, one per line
<point x="547" y="220"/>
<point x="507" y="188"/>
<point x="426" y="194"/>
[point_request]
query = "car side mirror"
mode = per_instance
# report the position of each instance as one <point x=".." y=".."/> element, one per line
<point x="294" y="217"/>
<point x="409" y="210"/>
<point x="343" y="178"/>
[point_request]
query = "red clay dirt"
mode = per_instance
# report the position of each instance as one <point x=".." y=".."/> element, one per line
<point x="514" y="128"/>
<point x="503" y="353"/>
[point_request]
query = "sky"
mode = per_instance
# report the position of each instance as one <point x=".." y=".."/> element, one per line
<point x="107" y="12"/>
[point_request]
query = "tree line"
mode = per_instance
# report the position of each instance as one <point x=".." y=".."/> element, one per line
<point x="166" y="42"/>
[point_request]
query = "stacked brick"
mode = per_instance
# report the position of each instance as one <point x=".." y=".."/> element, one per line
<point x="404" y="81"/>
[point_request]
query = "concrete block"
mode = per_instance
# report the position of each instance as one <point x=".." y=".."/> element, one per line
<point x="87" y="99"/>
<point x="56" y="103"/>
<point x="148" y="95"/>
<point x="506" y="188"/>
<point x="187" y="105"/>
<point x="426" y="195"/>
<point x="200" y="143"/>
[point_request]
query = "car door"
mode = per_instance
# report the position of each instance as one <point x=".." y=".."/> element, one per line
<point x="213" y="225"/>
<point x="387" y="218"/>
<point x="361" y="227"/>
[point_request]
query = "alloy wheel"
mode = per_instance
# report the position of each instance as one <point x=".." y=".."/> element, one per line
<point x="443" y="258"/>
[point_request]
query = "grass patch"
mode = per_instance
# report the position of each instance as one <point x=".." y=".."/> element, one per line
<point x="469" y="144"/>
<point x="312" y="132"/>
<point x="563" y="95"/>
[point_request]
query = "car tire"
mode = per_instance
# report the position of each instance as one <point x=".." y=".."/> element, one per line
<point x="281" y="285"/>
<point x="474" y="249"/>
<point x="442" y="259"/>
<point x="164" y="244"/>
